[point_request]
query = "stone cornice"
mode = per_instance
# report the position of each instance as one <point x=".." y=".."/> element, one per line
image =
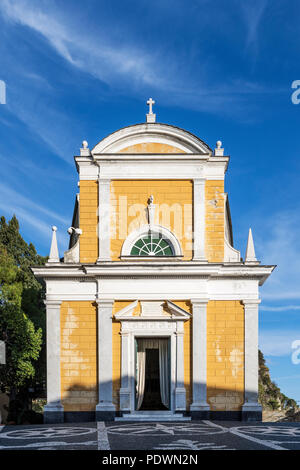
<point x="177" y="269"/>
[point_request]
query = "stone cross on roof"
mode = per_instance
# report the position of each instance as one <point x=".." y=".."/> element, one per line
<point x="150" y="102"/>
<point x="151" y="117"/>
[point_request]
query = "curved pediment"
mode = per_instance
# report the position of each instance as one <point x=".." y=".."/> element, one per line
<point x="152" y="138"/>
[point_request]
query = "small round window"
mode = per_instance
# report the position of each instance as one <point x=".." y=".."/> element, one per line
<point x="152" y="245"/>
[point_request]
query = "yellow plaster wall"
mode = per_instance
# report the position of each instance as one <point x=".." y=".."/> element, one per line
<point x="214" y="220"/>
<point x="151" y="147"/>
<point x="225" y="355"/>
<point x="131" y="197"/>
<point x="79" y="356"/>
<point x="88" y="221"/>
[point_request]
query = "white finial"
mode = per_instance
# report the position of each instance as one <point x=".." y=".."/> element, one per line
<point x="85" y="151"/>
<point x="219" y="151"/>
<point x="151" y="117"/>
<point x="54" y="255"/>
<point x="250" y="251"/>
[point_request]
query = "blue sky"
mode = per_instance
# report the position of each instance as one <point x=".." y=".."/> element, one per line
<point x="220" y="69"/>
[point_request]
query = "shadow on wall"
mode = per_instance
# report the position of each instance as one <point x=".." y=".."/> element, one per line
<point x="80" y="401"/>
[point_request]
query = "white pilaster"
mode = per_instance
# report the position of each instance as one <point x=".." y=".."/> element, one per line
<point x="251" y="356"/>
<point x="105" y="406"/>
<point x="53" y="411"/>
<point x="199" y="219"/>
<point x="104" y="219"/>
<point x="125" y="390"/>
<point x="180" y="393"/>
<point x="199" y="355"/>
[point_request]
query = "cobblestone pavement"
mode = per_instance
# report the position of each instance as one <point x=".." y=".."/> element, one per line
<point x="201" y="435"/>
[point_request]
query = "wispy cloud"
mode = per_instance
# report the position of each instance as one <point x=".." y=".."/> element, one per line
<point x="278" y="342"/>
<point x="11" y="200"/>
<point x="269" y="308"/>
<point x="279" y="243"/>
<point x="288" y="377"/>
<point x="252" y="13"/>
<point x="98" y="58"/>
<point x="131" y="67"/>
<point x="32" y="216"/>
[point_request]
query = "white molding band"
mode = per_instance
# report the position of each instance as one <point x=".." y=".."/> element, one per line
<point x="53" y="357"/>
<point x="105" y="355"/>
<point x="199" y="356"/>
<point x="199" y="219"/>
<point x="251" y="355"/>
<point x="104" y="219"/>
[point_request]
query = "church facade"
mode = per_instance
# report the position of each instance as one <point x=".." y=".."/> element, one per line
<point x="152" y="313"/>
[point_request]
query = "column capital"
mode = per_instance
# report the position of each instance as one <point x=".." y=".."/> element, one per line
<point x="52" y="303"/>
<point x="104" y="180"/>
<point x="251" y="303"/>
<point x="199" y="180"/>
<point x="199" y="302"/>
<point x="104" y="302"/>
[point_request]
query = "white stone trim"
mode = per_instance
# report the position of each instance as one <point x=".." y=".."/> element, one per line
<point x="126" y="311"/>
<point x="180" y="392"/>
<point x="53" y="356"/>
<point x="151" y="132"/>
<point x="126" y="386"/>
<point x="237" y="275"/>
<point x="72" y="254"/>
<point x="156" y="326"/>
<point x="165" y="168"/>
<point x="104" y="220"/>
<point x="251" y="355"/>
<point x="199" y="219"/>
<point x="104" y="313"/>
<point x="230" y="253"/>
<point x="176" y="311"/>
<point x="199" y="355"/>
<point x="144" y="230"/>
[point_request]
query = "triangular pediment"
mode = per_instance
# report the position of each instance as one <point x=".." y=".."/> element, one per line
<point x="126" y="311"/>
<point x="153" y="310"/>
<point x="177" y="312"/>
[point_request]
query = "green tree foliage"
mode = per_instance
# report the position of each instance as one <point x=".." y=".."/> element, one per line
<point x="270" y="395"/>
<point x="22" y="314"/>
<point x="24" y="256"/>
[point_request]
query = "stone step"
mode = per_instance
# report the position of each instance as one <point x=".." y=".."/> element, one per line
<point x="153" y="416"/>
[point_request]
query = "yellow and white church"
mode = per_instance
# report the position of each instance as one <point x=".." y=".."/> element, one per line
<point x="152" y="314"/>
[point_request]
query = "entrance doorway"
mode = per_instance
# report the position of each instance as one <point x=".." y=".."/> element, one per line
<point x="152" y="374"/>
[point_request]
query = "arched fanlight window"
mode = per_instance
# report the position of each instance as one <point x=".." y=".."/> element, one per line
<point x="152" y="244"/>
